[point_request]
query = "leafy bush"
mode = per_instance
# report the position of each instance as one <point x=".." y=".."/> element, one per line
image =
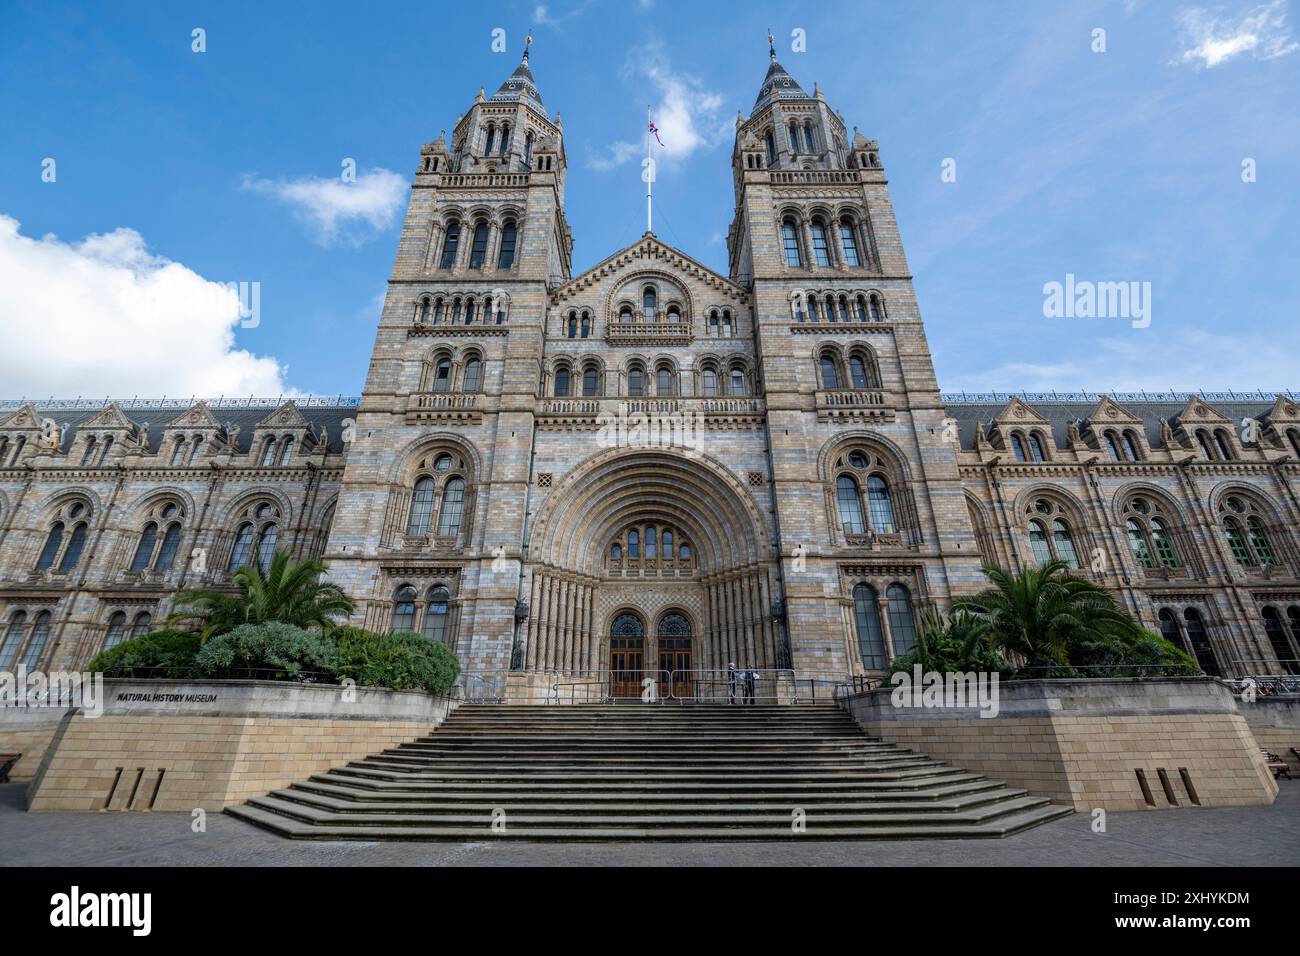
<point x="400" y="660"/>
<point x="164" y="654"/>
<point x="278" y="651"/>
<point x="958" y="643"/>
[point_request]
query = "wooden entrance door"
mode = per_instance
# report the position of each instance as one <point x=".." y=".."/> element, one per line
<point x="674" y="638"/>
<point x="626" y="656"/>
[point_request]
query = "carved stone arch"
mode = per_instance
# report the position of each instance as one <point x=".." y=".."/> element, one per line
<point x="679" y="610"/>
<point x="836" y="446"/>
<point x="230" y="514"/>
<point x="454" y="212"/>
<point x="1172" y="507"/>
<point x="407" y="460"/>
<point x="866" y="351"/>
<point x="695" y="492"/>
<point x="1220" y="492"/>
<point x="986" y="544"/>
<point x="1280" y="532"/>
<point x="146" y="500"/>
<point x="1084" y="535"/>
<point x="893" y="466"/>
<point x="636" y="281"/>
<point x="57" y="499"/>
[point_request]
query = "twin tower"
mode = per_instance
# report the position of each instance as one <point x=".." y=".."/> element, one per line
<point x="484" y="501"/>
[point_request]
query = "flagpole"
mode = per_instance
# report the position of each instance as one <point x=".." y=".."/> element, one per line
<point x="649" y="174"/>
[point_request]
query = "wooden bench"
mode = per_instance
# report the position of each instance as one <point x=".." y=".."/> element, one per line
<point x="7" y="762"/>
<point x="1276" y="764"/>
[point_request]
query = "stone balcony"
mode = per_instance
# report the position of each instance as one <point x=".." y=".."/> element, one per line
<point x="568" y="412"/>
<point x="444" y="407"/>
<point x="853" y="404"/>
<point x="648" y="333"/>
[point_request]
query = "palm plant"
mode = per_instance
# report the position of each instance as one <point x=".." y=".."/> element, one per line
<point x="1044" y="614"/>
<point x="290" y="591"/>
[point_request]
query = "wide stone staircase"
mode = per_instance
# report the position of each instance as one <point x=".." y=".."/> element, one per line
<point x="647" y="772"/>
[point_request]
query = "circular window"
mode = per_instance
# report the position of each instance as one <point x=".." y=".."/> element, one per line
<point x="858" y="460"/>
<point x="442" y="463"/>
<point x="168" y="511"/>
<point x="1234" y="503"/>
<point x="1042" y="507"/>
<point x="76" y="510"/>
<point x="1140" y="506"/>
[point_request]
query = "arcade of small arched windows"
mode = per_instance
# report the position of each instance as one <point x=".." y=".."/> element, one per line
<point x="866" y="497"/>
<point x="1122" y="444"/>
<point x="1029" y="444"/>
<point x="884" y="623"/>
<point x="428" y="610"/>
<point x="578" y="324"/>
<point x="1186" y="628"/>
<point x="95" y="450"/>
<point x="825" y="240"/>
<point x="1049" y="528"/>
<point x="651" y="302"/>
<point x="185" y="450"/>
<point x="852" y="367"/>
<point x="159" y="539"/>
<point x="646" y="378"/>
<point x="448" y="371"/>
<point x="478" y="242"/>
<point x="1216" y="444"/>
<point x="1153" y="533"/>
<point x="25" y="638"/>
<point x="124" y="625"/>
<point x="1248" y="528"/>
<point x="857" y="308"/>
<point x="256" y="535"/>
<point x="650" y="548"/>
<point x="462" y="308"/>
<point x="11" y="449"/>
<point x="65" y="537"/>
<point x="438" y="498"/>
<point x="276" y="451"/>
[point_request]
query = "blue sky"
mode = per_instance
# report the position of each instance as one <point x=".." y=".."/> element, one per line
<point x="174" y="170"/>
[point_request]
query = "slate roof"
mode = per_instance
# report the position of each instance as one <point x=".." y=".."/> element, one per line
<point x="1060" y="412"/>
<point x="245" y="414"/>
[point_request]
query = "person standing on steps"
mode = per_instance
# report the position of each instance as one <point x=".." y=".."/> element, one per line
<point x="732" y="677"/>
<point x="750" y="678"/>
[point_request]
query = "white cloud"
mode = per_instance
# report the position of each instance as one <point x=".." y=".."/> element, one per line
<point x="1262" y="32"/>
<point x="688" y="116"/>
<point x="105" y="316"/>
<point x="336" y="210"/>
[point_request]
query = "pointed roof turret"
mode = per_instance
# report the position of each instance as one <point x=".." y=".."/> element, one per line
<point x="778" y="84"/>
<point x="520" y="87"/>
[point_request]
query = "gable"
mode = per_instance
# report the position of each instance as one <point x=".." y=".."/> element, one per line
<point x="1019" y="412"/>
<point x="649" y="257"/>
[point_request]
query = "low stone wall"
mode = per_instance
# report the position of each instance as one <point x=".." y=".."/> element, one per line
<point x="163" y="745"/>
<point x="1276" y="726"/>
<point x="1082" y="742"/>
<point x="27" y="731"/>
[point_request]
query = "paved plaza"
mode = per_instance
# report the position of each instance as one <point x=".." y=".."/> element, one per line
<point x="1245" y="836"/>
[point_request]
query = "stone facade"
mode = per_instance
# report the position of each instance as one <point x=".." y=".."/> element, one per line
<point x="649" y="464"/>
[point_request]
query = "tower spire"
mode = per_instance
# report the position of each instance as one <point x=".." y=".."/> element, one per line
<point x="771" y="45"/>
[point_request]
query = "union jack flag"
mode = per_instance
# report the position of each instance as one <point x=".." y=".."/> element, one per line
<point x="655" y="129"/>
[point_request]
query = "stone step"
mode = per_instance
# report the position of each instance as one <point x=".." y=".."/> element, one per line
<point x="579" y="805"/>
<point x="638" y="772"/>
<point x="952" y="786"/>
<point x="1000" y="827"/>
<point x="923" y="788"/>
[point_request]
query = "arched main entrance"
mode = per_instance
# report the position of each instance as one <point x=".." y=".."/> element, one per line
<point x="626" y="655"/>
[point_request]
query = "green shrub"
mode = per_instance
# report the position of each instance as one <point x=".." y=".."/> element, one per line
<point x="165" y="654"/>
<point x="400" y="660"/>
<point x="278" y="651"/>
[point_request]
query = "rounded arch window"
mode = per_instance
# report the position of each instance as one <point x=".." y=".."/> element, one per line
<point x="830" y="371"/>
<point x="1149" y="539"/>
<point x="473" y="374"/>
<point x="421" y="514"/>
<point x="866" y="622"/>
<point x="1246" y="528"/>
<point x="590" y="381"/>
<point x="1050" y="534"/>
<point x="436" y="614"/>
<point x="562" y="381"/>
<point x="902" y="624"/>
<point x="404" y="609"/>
<point x="636" y="381"/>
